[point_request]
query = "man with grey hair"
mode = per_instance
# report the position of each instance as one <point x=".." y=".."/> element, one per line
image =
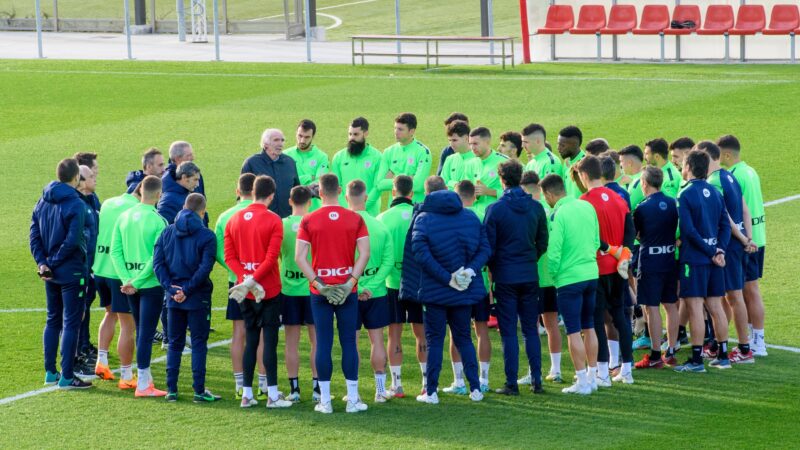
<point x="152" y="164"/>
<point x="272" y="162"/>
<point x="180" y="152"/>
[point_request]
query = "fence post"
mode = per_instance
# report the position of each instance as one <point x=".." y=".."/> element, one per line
<point x="153" y="14"/>
<point x="181" y="20"/>
<point x="526" y="34"/>
<point x="55" y="15"/>
<point x="216" y="30"/>
<point x="39" y="28"/>
<point x="128" y="27"/>
<point x="307" y="20"/>
<point x="397" y="29"/>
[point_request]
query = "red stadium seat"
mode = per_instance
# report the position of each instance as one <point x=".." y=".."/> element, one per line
<point x="655" y="19"/>
<point x="683" y="13"/>
<point x="719" y="19"/>
<point x="784" y="19"/>
<point x="591" y="19"/>
<point x="621" y="20"/>
<point x="750" y="19"/>
<point x="560" y="19"/>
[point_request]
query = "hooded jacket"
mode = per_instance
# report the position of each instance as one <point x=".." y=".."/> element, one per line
<point x="445" y="237"/>
<point x="516" y="228"/>
<point x="411" y="271"/>
<point x="133" y="179"/>
<point x="184" y="256"/>
<point x="283" y="170"/>
<point x="174" y="195"/>
<point x="91" y="225"/>
<point x="57" y="236"/>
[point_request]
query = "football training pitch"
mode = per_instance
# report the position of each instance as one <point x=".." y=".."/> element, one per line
<point x="51" y="109"/>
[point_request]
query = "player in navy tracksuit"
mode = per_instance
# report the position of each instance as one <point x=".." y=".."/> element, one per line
<point x="58" y="245"/>
<point x="448" y="241"/>
<point x="704" y="233"/>
<point x="183" y="259"/>
<point x="91" y="227"/>
<point x="516" y="228"/>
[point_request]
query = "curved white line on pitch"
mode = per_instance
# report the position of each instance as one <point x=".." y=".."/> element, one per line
<point x="337" y="22"/>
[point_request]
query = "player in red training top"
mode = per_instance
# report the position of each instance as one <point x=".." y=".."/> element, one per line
<point x="253" y="239"/>
<point x="334" y="234"/>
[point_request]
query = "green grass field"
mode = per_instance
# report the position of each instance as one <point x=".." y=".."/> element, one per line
<point x="51" y="109"/>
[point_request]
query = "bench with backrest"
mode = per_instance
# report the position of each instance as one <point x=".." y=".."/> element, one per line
<point x="432" y="52"/>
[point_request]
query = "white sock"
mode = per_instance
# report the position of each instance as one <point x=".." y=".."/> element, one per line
<point x="613" y="353"/>
<point x="759" y="334"/>
<point x="424" y="368"/>
<point x="380" y="383"/>
<point x="582" y="377"/>
<point x="602" y="369"/>
<point x="238" y="378"/>
<point x="143" y="382"/>
<point x="247" y="391"/>
<point x="555" y="363"/>
<point x="750" y="331"/>
<point x="484" y="378"/>
<point x="352" y="390"/>
<point x="325" y="391"/>
<point x="102" y="357"/>
<point x="458" y="373"/>
<point x="396" y="380"/>
<point x="262" y="382"/>
<point x="126" y="372"/>
<point x="272" y="391"/>
<point x="592" y="373"/>
<point x="626" y="368"/>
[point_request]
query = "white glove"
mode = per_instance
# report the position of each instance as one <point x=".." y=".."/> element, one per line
<point x="622" y="268"/>
<point x="258" y="292"/>
<point x="240" y="291"/>
<point x="454" y="280"/>
<point x="464" y="277"/>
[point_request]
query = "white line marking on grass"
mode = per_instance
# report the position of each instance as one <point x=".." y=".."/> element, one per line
<point x="47" y="389"/>
<point x="337" y="22"/>
<point x="443" y="77"/>
<point x="782" y="200"/>
<point x="41" y="310"/>
<point x="318" y="9"/>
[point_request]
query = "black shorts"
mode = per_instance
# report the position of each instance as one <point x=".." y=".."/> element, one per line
<point x="656" y="288"/>
<point x="482" y="310"/>
<point x="609" y="292"/>
<point x="735" y="268"/>
<point x="264" y="314"/>
<point x="103" y="291"/>
<point x="403" y="311"/>
<point x="548" y="299"/>
<point x="296" y="310"/>
<point x="755" y="265"/>
<point x="110" y="288"/>
<point x="91" y="290"/>
<point x="373" y="314"/>
<point x="233" y="312"/>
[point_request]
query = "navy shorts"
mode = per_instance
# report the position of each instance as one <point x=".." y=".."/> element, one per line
<point x="233" y="312"/>
<point x="267" y="313"/>
<point x="110" y="288"/>
<point x="91" y="289"/>
<point x="403" y="311"/>
<point x="655" y="288"/>
<point x="373" y="314"/>
<point x="576" y="305"/>
<point x="755" y="265"/>
<point x="296" y="310"/>
<point x="702" y="281"/>
<point x="547" y="299"/>
<point x="735" y="267"/>
<point x="482" y="310"/>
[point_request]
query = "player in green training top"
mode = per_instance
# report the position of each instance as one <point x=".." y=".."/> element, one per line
<point x="454" y="166"/>
<point x="132" y="246"/>
<point x="540" y="159"/>
<point x="310" y="160"/>
<point x="407" y="156"/>
<point x="482" y="170"/>
<point x="678" y="150"/>
<point x="631" y="161"/>
<point x="750" y="183"/>
<point x="296" y="296"/>
<point x="373" y="307"/>
<point x="510" y="145"/>
<point x="569" y="147"/>
<point x="359" y="161"/>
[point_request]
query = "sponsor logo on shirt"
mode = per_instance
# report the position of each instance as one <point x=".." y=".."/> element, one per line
<point x="134" y="266"/>
<point x="337" y="272"/>
<point x="710" y="241"/>
<point x="758" y="220"/>
<point x="706" y="193"/>
<point x="661" y="250"/>
<point x="333" y="215"/>
<point x="103" y="249"/>
<point x="371" y="271"/>
<point x="250" y="266"/>
<point x="293" y="275"/>
<point x="248" y="215"/>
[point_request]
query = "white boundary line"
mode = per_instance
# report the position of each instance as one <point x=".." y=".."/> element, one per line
<point x="41" y="310"/>
<point x="12" y="399"/>
<point x="782" y="200"/>
<point x="318" y="9"/>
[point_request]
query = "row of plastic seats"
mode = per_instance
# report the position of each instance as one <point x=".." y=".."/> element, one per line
<point x="719" y="20"/>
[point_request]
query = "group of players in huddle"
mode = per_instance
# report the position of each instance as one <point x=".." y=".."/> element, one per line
<point x="589" y="237"/>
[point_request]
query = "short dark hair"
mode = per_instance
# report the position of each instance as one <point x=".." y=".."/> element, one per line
<point x="328" y="184"/>
<point x="434" y="183"/>
<point x="596" y="146"/>
<point x="150" y="184"/>
<point x="245" y="185"/>
<point x="67" y="170"/>
<point x="481" y="132"/>
<point x="149" y="156"/>
<point x="613" y="154"/>
<point x="659" y="146"/>
<point x="458" y="128"/>
<point x="85" y="158"/>
<point x="682" y="143"/>
<point x="263" y="187"/>
<point x="356" y="188"/>
<point x="729" y="142"/>
<point x="465" y="189"/>
<point x="710" y="148"/>
<point x="653" y="176"/>
<point x="456" y="116"/>
<point x="187" y="169"/>
<point x="510" y="171"/>
<point x="300" y="195"/>
<point x="404" y="185"/>
<point x="408" y="119"/>
<point x="572" y="131"/>
<point x="553" y="184"/>
<point x="515" y="138"/>
<point x="360" y="122"/>
<point x="590" y="165"/>
<point x="632" y="150"/>
<point x="698" y="162"/>
<point x="195" y="202"/>
<point x="308" y="124"/>
<point x="534" y="128"/>
<point x="608" y="168"/>
<point x="529" y="177"/>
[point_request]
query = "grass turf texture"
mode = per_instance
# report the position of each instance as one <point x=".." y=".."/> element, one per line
<point x="53" y="108"/>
